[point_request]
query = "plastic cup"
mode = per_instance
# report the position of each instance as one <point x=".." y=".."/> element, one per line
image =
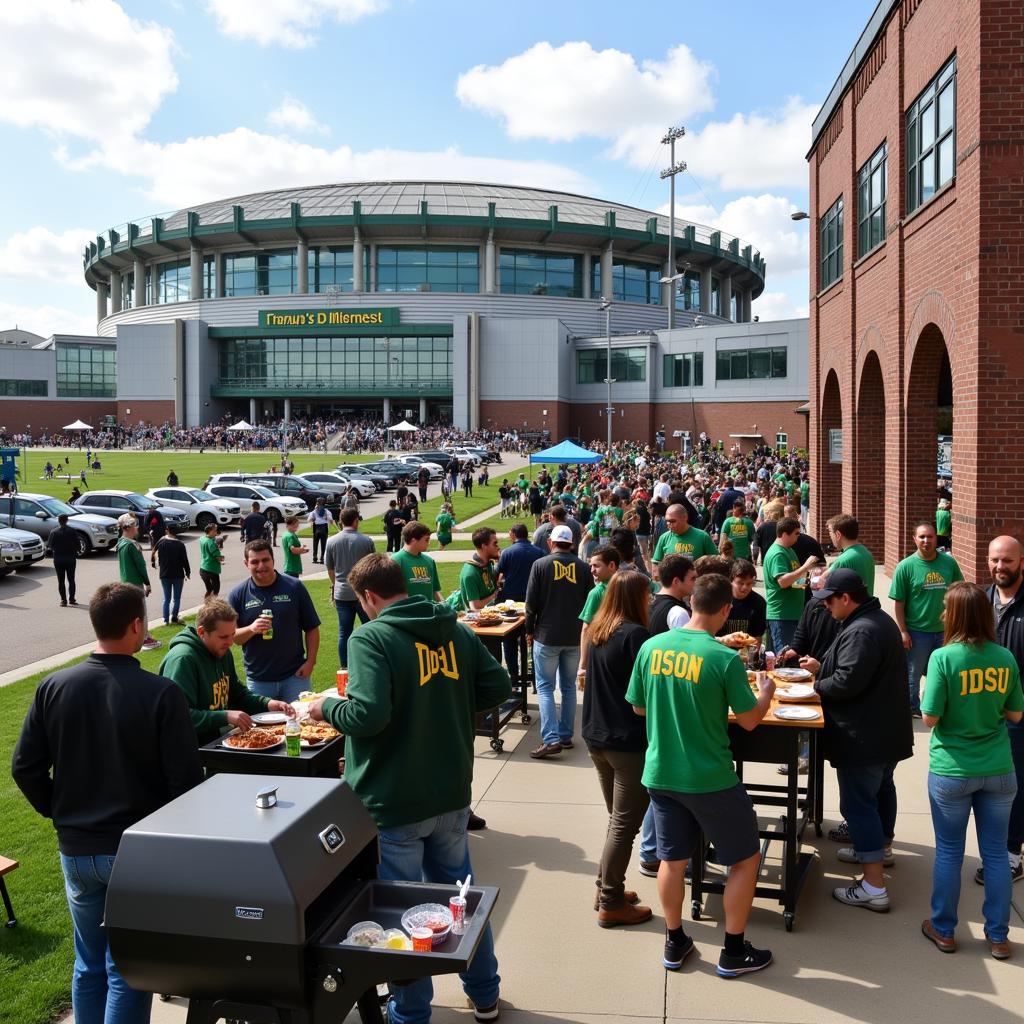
<point x="342" y="679"/>
<point x="457" y="905"/>
<point x="422" y="940"/>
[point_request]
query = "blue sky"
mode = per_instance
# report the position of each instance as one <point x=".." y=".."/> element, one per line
<point x="111" y="111"/>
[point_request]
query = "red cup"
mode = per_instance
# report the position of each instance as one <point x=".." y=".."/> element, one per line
<point x="422" y="940"/>
<point x="342" y="681"/>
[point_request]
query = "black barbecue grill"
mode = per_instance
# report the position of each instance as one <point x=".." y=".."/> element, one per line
<point x="239" y="894"/>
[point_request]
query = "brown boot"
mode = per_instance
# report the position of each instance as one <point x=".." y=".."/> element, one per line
<point x="624" y="915"/>
<point x="629" y="896"/>
<point x="546" y="750"/>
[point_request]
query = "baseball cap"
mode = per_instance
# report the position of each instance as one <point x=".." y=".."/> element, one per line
<point x="841" y="581"/>
<point x="561" y="535"/>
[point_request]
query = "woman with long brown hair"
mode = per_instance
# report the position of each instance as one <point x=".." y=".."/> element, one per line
<point x="617" y="738"/>
<point x="973" y="688"/>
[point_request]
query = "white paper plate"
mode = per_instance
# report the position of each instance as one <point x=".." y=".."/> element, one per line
<point x="792" y="675"/>
<point x="795" y="691"/>
<point x="243" y="750"/>
<point x="797" y="713"/>
<point x="270" y="718"/>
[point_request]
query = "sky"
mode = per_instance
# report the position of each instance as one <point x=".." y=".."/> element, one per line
<point x="115" y="111"/>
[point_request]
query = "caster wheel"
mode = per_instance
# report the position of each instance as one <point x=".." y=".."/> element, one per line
<point x="695" y="909"/>
<point x="788" y="918"/>
<point x="525" y="719"/>
<point x="498" y="745"/>
<point x="166" y="999"/>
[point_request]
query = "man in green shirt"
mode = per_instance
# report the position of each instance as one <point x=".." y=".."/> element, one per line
<point x="418" y="568"/>
<point x="918" y="591"/>
<point x="681" y="538"/>
<point x="684" y="682"/>
<point x="844" y="531"/>
<point x="131" y="565"/>
<point x="292" y="547"/>
<point x="944" y="525"/>
<point x="478" y="580"/>
<point x="210" y="560"/>
<point x="739" y="529"/>
<point x="784" y="583"/>
<point x="604" y="564"/>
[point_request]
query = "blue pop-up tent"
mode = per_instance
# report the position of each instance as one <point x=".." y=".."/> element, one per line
<point x="566" y="452"/>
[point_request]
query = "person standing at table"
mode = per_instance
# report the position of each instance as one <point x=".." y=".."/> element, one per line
<point x="344" y="549"/>
<point x="279" y="665"/>
<point x="684" y="683"/>
<point x="418" y="568"/>
<point x="416" y="675"/>
<point x="321" y="520"/>
<point x="513" y="570"/>
<point x="174" y="570"/>
<point x="918" y="589"/>
<point x="478" y="580"/>
<point x="211" y="560"/>
<point x="973" y="689"/>
<point x="784" y="578"/>
<point x="64" y="548"/>
<point x="95" y="771"/>
<point x="292" y="547"/>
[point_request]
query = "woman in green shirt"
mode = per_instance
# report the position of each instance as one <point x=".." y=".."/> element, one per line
<point x="973" y="689"/>
<point x="445" y="524"/>
<point x="210" y="560"/>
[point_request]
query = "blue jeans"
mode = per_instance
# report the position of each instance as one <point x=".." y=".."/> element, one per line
<point x="551" y="663"/>
<point x="436" y="850"/>
<point x="917" y="662"/>
<point x="99" y="994"/>
<point x="287" y="689"/>
<point x="867" y="800"/>
<point x="952" y="800"/>
<point x="172" y="598"/>
<point x="782" y="631"/>
<point x="347" y="612"/>
<point x="648" y="838"/>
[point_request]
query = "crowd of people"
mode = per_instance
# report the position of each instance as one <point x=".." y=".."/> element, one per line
<point x="637" y="574"/>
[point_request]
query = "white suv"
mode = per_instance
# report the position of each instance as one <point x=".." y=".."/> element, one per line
<point x="201" y="507"/>
<point x="273" y="505"/>
<point x="433" y="468"/>
<point x="334" y="481"/>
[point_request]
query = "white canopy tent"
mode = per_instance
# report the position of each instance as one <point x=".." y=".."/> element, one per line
<point x="404" y="425"/>
<point x="241" y="425"/>
<point x="78" y="425"/>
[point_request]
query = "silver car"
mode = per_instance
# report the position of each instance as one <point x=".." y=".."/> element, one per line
<point x="116" y="503"/>
<point x="18" y="550"/>
<point x="37" y="513"/>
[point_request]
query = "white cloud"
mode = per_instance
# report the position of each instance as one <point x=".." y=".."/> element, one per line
<point x="755" y="150"/>
<point x="294" y="116"/>
<point x="46" y="319"/>
<point x="62" y="63"/>
<point x="562" y="93"/>
<point x="210" y="167"/>
<point x="777" y="306"/>
<point x="290" y="23"/>
<point x="41" y="253"/>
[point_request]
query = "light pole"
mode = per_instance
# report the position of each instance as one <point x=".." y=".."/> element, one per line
<point x="606" y="307"/>
<point x="671" y="295"/>
<point x="670" y="172"/>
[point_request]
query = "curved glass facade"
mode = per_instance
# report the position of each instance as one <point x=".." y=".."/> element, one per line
<point x="260" y="273"/>
<point x="406" y="268"/>
<point x="174" y="280"/>
<point x="631" y="281"/>
<point x="527" y="272"/>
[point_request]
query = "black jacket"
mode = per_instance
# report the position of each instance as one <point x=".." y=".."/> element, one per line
<point x="815" y="631"/>
<point x="555" y="595"/>
<point x="1010" y="633"/>
<point x="608" y="720"/>
<point x="64" y="544"/>
<point x="660" y="607"/>
<point x="172" y="556"/>
<point x="863" y="688"/>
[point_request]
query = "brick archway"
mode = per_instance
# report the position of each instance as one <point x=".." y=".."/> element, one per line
<point x="870" y="455"/>
<point x="830" y="484"/>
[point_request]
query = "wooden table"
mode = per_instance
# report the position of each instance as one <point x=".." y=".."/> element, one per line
<point x="490" y="723"/>
<point x="319" y="762"/>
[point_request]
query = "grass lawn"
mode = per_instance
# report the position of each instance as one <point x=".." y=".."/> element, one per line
<point x="465" y="508"/>
<point x="37" y="957"/>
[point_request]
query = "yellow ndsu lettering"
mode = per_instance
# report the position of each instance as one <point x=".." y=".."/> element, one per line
<point x="221" y="689"/>
<point x="437" y="660"/>
<point x="677" y="664"/>
<point x="565" y="571"/>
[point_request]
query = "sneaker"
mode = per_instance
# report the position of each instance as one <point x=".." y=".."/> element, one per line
<point x="945" y="944"/>
<point x="484" y="1013"/>
<point x="546" y="750"/>
<point x="73" y="603"/>
<point x="151" y="643"/>
<point x="1016" y="873"/>
<point x="649" y="868"/>
<point x="915" y="713"/>
<point x="752" y="960"/>
<point x="848" y="856"/>
<point x="999" y="950"/>
<point x="840" y="834"/>
<point x="676" y="953"/>
<point x="857" y="896"/>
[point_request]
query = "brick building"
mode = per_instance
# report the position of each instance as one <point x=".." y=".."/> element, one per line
<point x="916" y="327"/>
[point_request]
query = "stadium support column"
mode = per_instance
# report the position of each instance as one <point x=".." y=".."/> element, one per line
<point x="302" y="261"/>
<point x="745" y="298"/>
<point x="606" y="271"/>
<point x="587" y="278"/>
<point x="287" y="411"/>
<point x="101" y="302"/>
<point x="489" y="264"/>
<point x="725" y="295"/>
<point x="474" y="371"/>
<point x="195" y="280"/>
<point x="140" y="283"/>
<point x="705" y="289"/>
<point x="423" y="411"/>
<point x="252" y="411"/>
<point x="115" y="292"/>
<point x="358" y="283"/>
<point x="218" y="275"/>
<point x="387" y="411"/>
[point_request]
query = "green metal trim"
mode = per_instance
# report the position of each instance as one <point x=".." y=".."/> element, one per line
<point x="326" y="390"/>
<point x="398" y="330"/>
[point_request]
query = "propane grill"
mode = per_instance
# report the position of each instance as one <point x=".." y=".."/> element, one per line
<point x="239" y="895"/>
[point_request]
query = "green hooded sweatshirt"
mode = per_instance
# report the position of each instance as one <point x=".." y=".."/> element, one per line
<point x="131" y="563"/>
<point x="416" y="681"/>
<point x="210" y="684"/>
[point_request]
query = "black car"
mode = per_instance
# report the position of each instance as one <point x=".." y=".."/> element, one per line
<point x="382" y="480"/>
<point x="295" y="487"/>
<point x="441" y="458"/>
<point x="398" y="470"/>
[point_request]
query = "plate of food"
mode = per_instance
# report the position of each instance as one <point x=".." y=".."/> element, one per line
<point x="795" y="691"/>
<point x="255" y="739"/>
<point x="797" y="713"/>
<point x="792" y="675"/>
<point x="488" y="619"/>
<point x="314" y="734"/>
<point x="270" y="718"/>
<point x="742" y="639"/>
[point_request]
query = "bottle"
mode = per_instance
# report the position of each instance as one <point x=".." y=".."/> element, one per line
<point x="293" y="737"/>
<point x="268" y="613"/>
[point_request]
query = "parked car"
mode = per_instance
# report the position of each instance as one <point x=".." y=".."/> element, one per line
<point x="116" y="503"/>
<point x="37" y="513"/>
<point x="364" y="488"/>
<point x="18" y="550"/>
<point x="398" y="471"/>
<point x="201" y="507"/>
<point x="382" y="481"/>
<point x="416" y="461"/>
<point x="273" y="505"/>
<point x="438" y="456"/>
<point x="294" y="485"/>
<point x="464" y="453"/>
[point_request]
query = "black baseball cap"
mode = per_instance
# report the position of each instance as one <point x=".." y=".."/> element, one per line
<point x="840" y="581"/>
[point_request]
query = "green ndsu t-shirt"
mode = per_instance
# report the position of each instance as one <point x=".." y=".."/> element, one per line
<point x="292" y="563"/>
<point x="420" y="573"/>
<point x="693" y="544"/>
<point x="687" y="681"/>
<point x="445" y="525"/>
<point x="739" y="531"/>
<point x="593" y="602"/>
<point x="861" y="561"/>
<point x="968" y="688"/>
<point x="477" y="582"/>
<point x="784" y="603"/>
<point x="921" y="586"/>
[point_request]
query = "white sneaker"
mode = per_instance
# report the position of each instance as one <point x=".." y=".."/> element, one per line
<point x="857" y="896"/>
<point x="849" y="856"/>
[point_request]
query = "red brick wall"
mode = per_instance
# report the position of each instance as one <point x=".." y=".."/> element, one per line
<point x="156" y="412"/>
<point x="513" y="415"/>
<point x="17" y="413"/>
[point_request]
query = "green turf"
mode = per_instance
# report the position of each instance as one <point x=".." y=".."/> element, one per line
<point x="37" y="957"/>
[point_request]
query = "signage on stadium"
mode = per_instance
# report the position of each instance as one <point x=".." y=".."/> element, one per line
<point x="311" y="319"/>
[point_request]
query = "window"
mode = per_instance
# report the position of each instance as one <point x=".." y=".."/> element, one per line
<point x="631" y="282"/>
<point x="173" y="281"/>
<point x="683" y="371"/>
<point x="782" y="442"/>
<point x="86" y="371"/>
<point x="750" y="364"/>
<point x="260" y="273"/>
<point x="127" y="291"/>
<point x="688" y="296"/>
<point x="830" y="246"/>
<point x="24" y="388"/>
<point x="628" y="364"/>
<point x="931" y="138"/>
<point x="871" y="201"/>
<point x="541" y="273"/>
<point x="332" y="268"/>
<point x="429" y="268"/>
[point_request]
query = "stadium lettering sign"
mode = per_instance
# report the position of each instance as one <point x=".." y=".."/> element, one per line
<point x="307" y="319"/>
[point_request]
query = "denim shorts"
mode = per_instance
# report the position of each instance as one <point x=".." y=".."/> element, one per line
<point x="726" y="817"/>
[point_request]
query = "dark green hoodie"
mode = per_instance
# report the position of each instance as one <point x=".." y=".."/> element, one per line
<point x="416" y="680"/>
<point x="210" y="684"/>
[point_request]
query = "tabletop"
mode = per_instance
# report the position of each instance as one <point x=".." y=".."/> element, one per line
<point x="500" y="631"/>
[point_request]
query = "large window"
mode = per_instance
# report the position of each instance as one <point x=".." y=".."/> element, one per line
<point x="430" y="268"/>
<point x="86" y="371"/>
<point x="830" y="245"/>
<point x="260" y="273"/>
<point x="871" y="201"/>
<point x="24" y="388"/>
<point x="173" y="280"/>
<point x="683" y="371"/>
<point x="128" y="291"/>
<point x="750" y="364"/>
<point x="628" y="364"/>
<point x="688" y="295"/>
<point x="631" y="282"/>
<point x="332" y="268"/>
<point x="541" y="273"/>
<point x="931" y="138"/>
<point x="716" y="297"/>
